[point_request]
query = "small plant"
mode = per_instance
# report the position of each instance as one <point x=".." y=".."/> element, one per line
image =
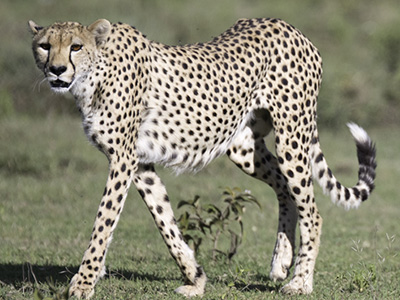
<point x="241" y="277"/>
<point x="210" y="221"/>
<point x="364" y="276"/>
<point x="360" y="279"/>
<point x="389" y="252"/>
<point x="237" y="282"/>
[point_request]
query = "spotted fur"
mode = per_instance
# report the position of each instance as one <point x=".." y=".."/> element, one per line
<point x="145" y="103"/>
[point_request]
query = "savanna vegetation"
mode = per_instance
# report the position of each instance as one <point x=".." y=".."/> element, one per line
<point x="51" y="179"/>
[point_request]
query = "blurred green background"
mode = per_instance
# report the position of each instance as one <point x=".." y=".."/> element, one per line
<point x="359" y="41"/>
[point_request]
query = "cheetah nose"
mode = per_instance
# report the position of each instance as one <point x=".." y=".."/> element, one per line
<point x="58" y="70"/>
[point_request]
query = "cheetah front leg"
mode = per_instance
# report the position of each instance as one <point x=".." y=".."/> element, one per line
<point x="155" y="196"/>
<point x="93" y="263"/>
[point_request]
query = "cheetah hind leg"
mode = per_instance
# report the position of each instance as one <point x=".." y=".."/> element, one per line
<point x="250" y="154"/>
<point x="283" y="255"/>
<point x="263" y="165"/>
<point x="301" y="189"/>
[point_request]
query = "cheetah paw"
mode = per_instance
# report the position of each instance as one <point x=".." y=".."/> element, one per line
<point x="278" y="273"/>
<point x="190" y="291"/>
<point x="281" y="263"/>
<point x="78" y="290"/>
<point x="297" y="287"/>
<point x="282" y="258"/>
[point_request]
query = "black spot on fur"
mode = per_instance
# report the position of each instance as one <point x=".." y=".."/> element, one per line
<point x="149" y="181"/>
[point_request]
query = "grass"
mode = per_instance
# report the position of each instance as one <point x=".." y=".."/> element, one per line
<point x="51" y="181"/>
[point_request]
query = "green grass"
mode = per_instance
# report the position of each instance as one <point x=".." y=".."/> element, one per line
<point x="51" y="181"/>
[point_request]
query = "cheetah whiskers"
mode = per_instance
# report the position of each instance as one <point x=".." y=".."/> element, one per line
<point x="38" y="84"/>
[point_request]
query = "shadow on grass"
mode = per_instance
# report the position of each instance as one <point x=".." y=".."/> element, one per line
<point x="266" y="285"/>
<point x="25" y="275"/>
<point x="19" y="274"/>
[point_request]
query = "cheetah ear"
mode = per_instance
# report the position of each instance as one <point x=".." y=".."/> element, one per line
<point x="34" y="28"/>
<point x="100" y="29"/>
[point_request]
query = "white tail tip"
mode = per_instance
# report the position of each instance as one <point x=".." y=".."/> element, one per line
<point x="358" y="133"/>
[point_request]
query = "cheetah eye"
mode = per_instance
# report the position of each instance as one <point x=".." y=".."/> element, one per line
<point x="45" y="46"/>
<point x="76" y="47"/>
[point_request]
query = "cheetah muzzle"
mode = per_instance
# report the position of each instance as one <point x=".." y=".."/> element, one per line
<point x="144" y="103"/>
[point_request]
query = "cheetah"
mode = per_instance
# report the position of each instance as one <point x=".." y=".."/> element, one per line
<point x="144" y="103"/>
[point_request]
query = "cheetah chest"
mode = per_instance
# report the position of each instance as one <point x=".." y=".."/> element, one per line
<point x="187" y="134"/>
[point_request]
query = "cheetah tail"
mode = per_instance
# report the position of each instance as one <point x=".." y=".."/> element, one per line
<point x="341" y="195"/>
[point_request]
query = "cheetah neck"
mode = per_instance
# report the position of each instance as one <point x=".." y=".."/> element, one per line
<point x="85" y="88"/>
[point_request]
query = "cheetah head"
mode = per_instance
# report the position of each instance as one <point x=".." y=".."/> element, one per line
<point x="65" y="52"/>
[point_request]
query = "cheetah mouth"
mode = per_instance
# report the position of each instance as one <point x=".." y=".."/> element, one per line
<point x="56" y="84"/>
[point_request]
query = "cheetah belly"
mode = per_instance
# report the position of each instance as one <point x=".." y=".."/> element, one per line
<point x="184" y="143"/>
